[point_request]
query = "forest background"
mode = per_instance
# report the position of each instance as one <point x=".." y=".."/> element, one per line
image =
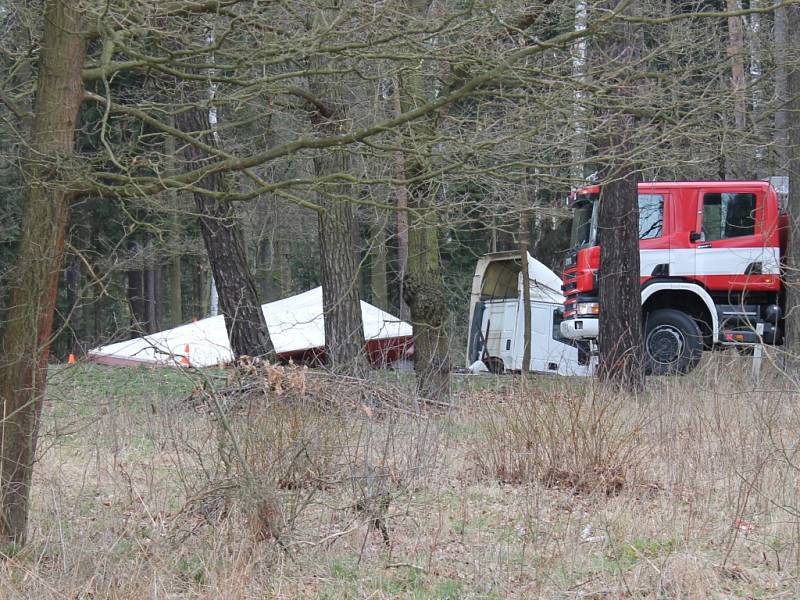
<point x="708" y="95"/>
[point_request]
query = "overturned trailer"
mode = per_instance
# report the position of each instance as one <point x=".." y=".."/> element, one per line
<point x="497" y="319"/>
<point x="296" y="326"/>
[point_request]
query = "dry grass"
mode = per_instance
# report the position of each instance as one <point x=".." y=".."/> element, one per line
<point x="552" y="489"/>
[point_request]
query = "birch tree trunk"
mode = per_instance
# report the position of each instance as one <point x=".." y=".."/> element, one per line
<point x="757" y="88"/>
<point x="578" y="51"/>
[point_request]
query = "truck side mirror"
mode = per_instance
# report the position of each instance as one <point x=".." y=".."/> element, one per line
<point x="695" y="236"/>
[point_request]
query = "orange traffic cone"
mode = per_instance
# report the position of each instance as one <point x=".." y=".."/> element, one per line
<point x="185" y="357"/>
<point x="71" y="359"/>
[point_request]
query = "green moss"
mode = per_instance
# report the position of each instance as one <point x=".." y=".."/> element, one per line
<point x="627" y="555"/>
<point x="192" y="568"/>
<point x="343" y="571"/>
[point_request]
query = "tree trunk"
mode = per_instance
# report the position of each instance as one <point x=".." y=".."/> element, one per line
<point x="344" y="328"/>
<point x="792" y="258"/>
<point x="757" y="89"/>
<point x="736" y="54"/>
<point x="283" y="249"/>
<point x="265" y="269"/>
<point x="423" y="284"/>
<point x="173" y="271"/>
<point x="26" y="338"/>
<point x="74" y="276"/>
<point x="524" y="242"/>
<point x="425" y="294"/>
<point x="378" y="253"/>
<point x="781" y="92"/>
<point x="224" y="242"/>
<point x="402" y="211"/>
<point x="199" y="306"/>
<point x="151" y="296"/>
<point x="620" y="338"/>
<point x="341" y="299"/>
<point x="620" y="292"/>
<point x="578" y="51"/>
<point x="137" y="296"/>
<point x="175" y="291"/>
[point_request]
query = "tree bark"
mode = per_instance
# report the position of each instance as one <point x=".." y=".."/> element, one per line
<point x="620" y="292"/>
<point x="736" y="54"/>
<point x="265" y="269"/>
<point x="74" y="279"/>
<point x="224" y="242"/>
<point x="341" y="302"/>
<point x="756" y="84"/>
<point x="137" y="296"/>
<point x="524" y="242"/>
<point x="378" y="254"/>
<point x="175" y="290"/>
<point x="26" y="339"/>
<point x="781" y="91"/>
<point x="425" y="294"/>
<point x="282" y="250"/>
<point x="151" y="295"/>
<point x="402" y="210"/>
<point x="792" y="258"/>
<point x="620" y="337"/>
<point x="341" y="298"/>
<point x="578" y="51"/>
<point x="173" y="272"/>
<point x="423" y="283"/>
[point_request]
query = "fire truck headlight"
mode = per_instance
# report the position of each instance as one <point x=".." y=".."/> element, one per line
<point x="587" y="308"/>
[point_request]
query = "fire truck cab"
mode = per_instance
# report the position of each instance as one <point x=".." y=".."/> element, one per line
<point x="709" y="268"/>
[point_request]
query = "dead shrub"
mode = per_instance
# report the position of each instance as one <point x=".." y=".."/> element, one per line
<point x="293" y="440"/>
<point x="585" y="442"/>
<point x="686" y="575"/>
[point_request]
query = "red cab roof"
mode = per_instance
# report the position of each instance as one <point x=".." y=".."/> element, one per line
<point x="649" y="185"/>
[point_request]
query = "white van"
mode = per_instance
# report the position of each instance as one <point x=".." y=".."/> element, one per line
<point x="497" y="321"/>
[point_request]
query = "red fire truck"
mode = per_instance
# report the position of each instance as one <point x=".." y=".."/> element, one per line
<point x="710" y="269"/>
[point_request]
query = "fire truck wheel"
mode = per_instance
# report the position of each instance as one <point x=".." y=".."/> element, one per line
<point x="672" y="342"/>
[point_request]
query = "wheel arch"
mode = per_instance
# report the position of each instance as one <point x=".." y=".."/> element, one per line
<point x="689" y="298"/>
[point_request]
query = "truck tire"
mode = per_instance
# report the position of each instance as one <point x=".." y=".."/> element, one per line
<point x="673" y="342"/>
<point x="495" y="365"/>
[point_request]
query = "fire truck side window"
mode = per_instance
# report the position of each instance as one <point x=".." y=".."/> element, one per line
<point x="728" y="215"/>
<point x="651" y="216"/>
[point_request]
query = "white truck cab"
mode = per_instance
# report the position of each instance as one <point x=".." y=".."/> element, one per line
<point x="497" y="319"/>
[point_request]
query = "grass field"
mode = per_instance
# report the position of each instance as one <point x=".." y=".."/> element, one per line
<point x="313" y="488"/>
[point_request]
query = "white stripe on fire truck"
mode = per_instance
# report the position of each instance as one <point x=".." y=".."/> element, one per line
<point x="711" y="261"/>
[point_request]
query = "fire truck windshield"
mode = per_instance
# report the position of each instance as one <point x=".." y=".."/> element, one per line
<point x="584" y="224"/>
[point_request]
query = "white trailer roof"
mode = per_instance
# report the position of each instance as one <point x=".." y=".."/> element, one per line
<point x="295" y="324"/>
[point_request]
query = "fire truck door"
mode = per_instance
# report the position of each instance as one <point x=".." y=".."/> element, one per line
<point x="730" y="252"/>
